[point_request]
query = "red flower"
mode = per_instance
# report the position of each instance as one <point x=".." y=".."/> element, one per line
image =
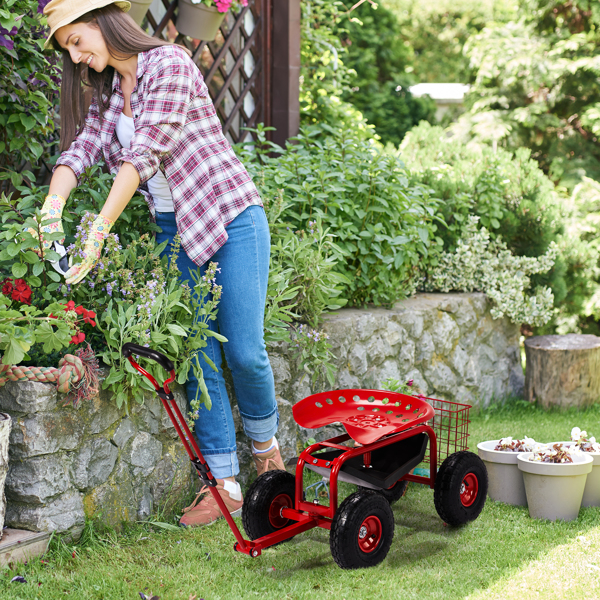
<point x="70" y="306"/>
<point x="7" y="286"/>
<point x="77" y="338"/>
<point x="21" y="292"/>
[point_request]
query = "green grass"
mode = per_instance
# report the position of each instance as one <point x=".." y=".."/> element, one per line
<point x="503" y="554"/>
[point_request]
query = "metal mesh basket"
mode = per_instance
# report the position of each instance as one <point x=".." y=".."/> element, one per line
<point x="451" y="426"/>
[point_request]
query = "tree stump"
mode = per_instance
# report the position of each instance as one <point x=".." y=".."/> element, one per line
<point x="5" y="423"/>
<point x="563" y="370"/>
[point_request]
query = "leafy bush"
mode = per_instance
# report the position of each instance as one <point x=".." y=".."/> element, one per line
<point x="378" y="55"/>
<point x="484" y="265"/>
<point x="511" y="196"/>
<point x="384" y="226"/>
<point x="536" y="85"/>
<point x="29" y="83"/>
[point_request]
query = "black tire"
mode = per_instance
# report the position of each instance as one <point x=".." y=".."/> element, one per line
<point x="263" y="502"/>
<point x="460" y="488"/>
<point x="392" y="494"/>
<point x="362" y="530"/>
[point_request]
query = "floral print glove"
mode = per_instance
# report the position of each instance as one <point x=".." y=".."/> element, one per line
<point x="96" y="235"/>
<point x="51" y="209"/>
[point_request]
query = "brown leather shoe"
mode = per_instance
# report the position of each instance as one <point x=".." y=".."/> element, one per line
<point x="208" y="511"/>
<point x="268" y="461"/>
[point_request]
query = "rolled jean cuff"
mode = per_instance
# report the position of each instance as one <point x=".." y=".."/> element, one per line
<point x="261" y="430"/>
<point x="223" y="465"/>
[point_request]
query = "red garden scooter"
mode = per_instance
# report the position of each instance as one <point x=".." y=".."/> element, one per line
<point x="391" y="433"/>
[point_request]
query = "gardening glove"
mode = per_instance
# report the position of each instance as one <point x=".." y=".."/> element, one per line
<point x="51" y="209"/>
<point x="93" y="246"/>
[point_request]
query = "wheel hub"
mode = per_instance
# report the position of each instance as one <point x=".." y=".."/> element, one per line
<point x="369" y="534"/>
<point x="469" y="489"/>
<point x="279" y="503"/>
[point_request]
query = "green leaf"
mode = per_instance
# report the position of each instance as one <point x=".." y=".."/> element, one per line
<point x="176" y="330"/>
<point x="28" y="122"/>
<point x="19" y="270"/>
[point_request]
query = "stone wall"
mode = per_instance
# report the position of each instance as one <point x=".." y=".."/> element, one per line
<point x="67" y="463"/>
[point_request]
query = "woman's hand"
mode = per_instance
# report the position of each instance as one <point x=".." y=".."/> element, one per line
<point x="92" y="248"/>
<point x="51" y="209"/>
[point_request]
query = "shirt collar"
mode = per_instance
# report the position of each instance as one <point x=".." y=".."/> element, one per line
<point x="141" y="67"/>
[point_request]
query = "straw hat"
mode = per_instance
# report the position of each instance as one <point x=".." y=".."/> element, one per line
<point x="62" y="12"/>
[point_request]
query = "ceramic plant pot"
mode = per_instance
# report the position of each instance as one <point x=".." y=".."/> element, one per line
<point x="199" y="21"/>
<point x="138" y="9"/>
<point x="591" y="493"/>
<point x="505" y="479"/>
<point x="5" y="424"/>
<point x="554" y="491"/>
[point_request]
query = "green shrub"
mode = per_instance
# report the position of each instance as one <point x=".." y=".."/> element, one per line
<point x="384" y="226"/>
<point x="29" y="83"/>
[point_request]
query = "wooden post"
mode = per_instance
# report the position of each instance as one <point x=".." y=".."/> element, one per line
<point x="285" y="74"/>
<point x="5" y="423"/>
<point x="563" y="370"/>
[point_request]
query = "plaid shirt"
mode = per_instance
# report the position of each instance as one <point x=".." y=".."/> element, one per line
<point x="177" y="131"/>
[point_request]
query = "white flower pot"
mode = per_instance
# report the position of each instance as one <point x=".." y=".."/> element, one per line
<point x="554" y="491"/>
<point x="5" y="424"/>
<point x="505" y="479"/>
<point x="591" y="493"/>
<point x="138" y="9"/>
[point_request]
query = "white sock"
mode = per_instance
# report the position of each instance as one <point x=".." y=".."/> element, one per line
<point x="273" y="445"/>
<point x="234" y="489"/>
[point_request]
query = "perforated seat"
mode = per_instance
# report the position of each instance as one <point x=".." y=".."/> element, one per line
<point x="367" y="415"/>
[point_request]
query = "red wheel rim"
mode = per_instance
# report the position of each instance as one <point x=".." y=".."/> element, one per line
<point x="369" y="534"/>
<point x="279" y="502"/>
<point x="468" y="489"/>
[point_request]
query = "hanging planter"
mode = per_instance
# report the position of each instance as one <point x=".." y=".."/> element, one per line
<point x="198" y="21"/>
<point x="505" y="480"/>
<point x="138" y="10"/>
<point x="555" y="490"/>
<point x="5" y="424"/>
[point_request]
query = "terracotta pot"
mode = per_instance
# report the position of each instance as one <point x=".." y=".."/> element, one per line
<point x="505" y="479"/>
<point x="199" y="21"/>
<point x="554" y="491"/>
<point x="5" y="424"/>
<point x="138" y="9"/>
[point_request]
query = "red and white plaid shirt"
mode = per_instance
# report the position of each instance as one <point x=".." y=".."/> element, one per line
<point x="176" y="130"/>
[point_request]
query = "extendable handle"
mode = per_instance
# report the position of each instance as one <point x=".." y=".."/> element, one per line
<point x="129" y="348"/>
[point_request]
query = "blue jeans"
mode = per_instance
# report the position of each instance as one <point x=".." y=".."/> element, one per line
<point x="244" y="264"/>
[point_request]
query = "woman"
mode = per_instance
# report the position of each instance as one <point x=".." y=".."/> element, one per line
<point x="153" y="122"/>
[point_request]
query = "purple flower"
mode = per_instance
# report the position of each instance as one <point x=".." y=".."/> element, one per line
<point x="8" y="43"/>
<point x="109" y="289"/>
<point x="42" y="5"/>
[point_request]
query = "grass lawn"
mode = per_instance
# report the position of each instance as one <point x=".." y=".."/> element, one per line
<point x="503" y="554"/>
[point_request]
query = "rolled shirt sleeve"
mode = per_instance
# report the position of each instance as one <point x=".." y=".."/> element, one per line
<point x="86" y="149"/>
<point x="163" y="114"/>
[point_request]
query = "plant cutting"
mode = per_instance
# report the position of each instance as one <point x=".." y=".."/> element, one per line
<point x="201" y="19"/>
<point x="554" y="478"/>
<point x="500" y="458"/>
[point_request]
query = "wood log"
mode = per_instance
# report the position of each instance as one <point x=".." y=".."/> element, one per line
<point x="563" y="370"/>
<point x="5" y="423"/>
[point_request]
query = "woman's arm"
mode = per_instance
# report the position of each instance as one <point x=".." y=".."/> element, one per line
<point x="63" y="181"/>
<point x="123" y="188"/>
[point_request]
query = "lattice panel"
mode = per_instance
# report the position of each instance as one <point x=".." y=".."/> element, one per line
<point x="233" y="65"/>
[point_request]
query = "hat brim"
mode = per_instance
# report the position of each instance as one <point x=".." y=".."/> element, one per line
<point x="124" y="5"/>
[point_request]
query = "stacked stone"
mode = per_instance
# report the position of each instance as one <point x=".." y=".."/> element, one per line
<point x="66" y="463"/>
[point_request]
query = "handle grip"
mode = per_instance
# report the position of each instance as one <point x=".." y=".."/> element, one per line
<point x="129" y="348"/>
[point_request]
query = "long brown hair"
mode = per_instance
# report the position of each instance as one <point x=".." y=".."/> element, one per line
<point x="123" y="39"/>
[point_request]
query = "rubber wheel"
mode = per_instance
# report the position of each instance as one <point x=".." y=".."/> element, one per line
<point x="392" y="494"/>
<point x="362" y="530"/>
<point x="460" y="488"/>
<point x="261" y="512"/>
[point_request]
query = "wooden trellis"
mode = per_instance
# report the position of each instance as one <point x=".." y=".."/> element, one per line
<point x="236" y="66"/>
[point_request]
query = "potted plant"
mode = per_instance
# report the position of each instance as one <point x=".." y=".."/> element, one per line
<point x="500" y="459"/>
<point x="201" y="19"/>
<point x="554" y="478"/>
<point x="580" y="439"/>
